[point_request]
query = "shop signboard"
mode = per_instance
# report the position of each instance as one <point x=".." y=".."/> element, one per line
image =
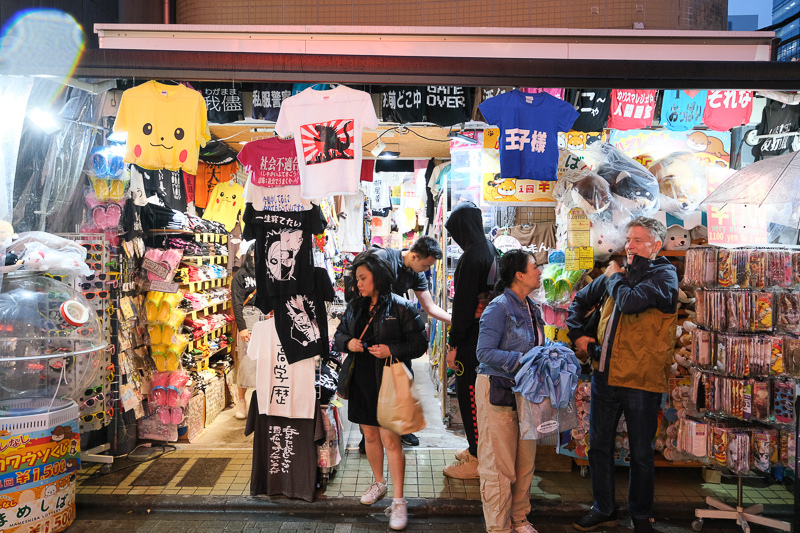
<point x="37" y="476"/>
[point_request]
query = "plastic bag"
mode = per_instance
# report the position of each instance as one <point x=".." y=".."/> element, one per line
<point x="682" y="183"/>
<point x="43" y="251"/>
<point x="607" y="239"/>
<point x="631" y="184"/>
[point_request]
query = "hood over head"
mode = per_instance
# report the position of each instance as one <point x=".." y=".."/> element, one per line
<point x="465" y="225"/>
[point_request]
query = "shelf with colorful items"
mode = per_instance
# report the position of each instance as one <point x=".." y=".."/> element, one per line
<point x="194" y="286"/>
<point x="746" y="361"/>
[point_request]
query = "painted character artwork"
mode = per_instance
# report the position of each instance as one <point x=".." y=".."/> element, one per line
<point x="304" y="320"/>
<point x="327" y="141"/>
<point x="282" y="250"/>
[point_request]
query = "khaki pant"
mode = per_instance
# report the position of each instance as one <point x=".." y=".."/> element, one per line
<point x="505" y="463"/>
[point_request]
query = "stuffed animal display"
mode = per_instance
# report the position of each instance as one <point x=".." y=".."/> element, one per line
<point x="682" y="183"/>
<point x="678" y="238"/>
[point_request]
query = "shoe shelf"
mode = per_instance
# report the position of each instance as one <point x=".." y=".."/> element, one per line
<point x="194" y="286"/>
<point x="210" y="335"/>
<point x="202" y="363"/>
<point x="213" y="308"/>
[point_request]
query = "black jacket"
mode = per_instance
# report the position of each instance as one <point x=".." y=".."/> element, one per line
<point x="242" y="285"/>
<point x="465" y="225"/>
<point x="396" y="324"/>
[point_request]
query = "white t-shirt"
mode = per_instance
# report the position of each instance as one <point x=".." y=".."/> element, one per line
<point x="327" y="133"/>
<point x="285" y="198"/>
<point x="283" y="389"/>
<point x="351" y="227"/>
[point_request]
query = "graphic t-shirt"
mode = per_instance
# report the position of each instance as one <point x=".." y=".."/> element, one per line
<point x="282" y="386"/>
<point x="283" y="251"/>
<point x="539" y="238"/>
<point x="327" y="133"/>
<point x="776" y="118"/>
<point x="482" y="94"/>
<point x="302" y="321"/>
<point x="727" y="109"/>
<point x="271" y="162"/>
<point x="267" y="99"/>
<point x="682" y="110"/>
<point x="631" y="109"/>
<point x="168" y="185"/>
<point x="226" y="204"/>
<point x="209" y="176"/>
<point x="529" y="126"/>
<point x="593" y="106"/>
<point x="223" y="101"/>
<point x="446" y="105"/>
<point x="275" y="198"/>
<point x="351" y="226"/>
<point x="403" y="103"/>
<point x="166" y="126"/>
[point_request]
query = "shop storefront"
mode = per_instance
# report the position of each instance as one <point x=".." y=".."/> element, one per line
<point x="162" y="245"/>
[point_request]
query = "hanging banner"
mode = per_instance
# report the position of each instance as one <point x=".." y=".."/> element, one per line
<point x="37" y="476"/>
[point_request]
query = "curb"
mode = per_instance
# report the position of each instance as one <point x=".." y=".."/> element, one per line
<point x="419" y="507"/>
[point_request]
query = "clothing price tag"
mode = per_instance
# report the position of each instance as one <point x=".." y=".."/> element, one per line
<point x="164" y="286"/>
<point x="579" y="258"/>
<point x="578" y="229"/>
<point x="159" y="269"/>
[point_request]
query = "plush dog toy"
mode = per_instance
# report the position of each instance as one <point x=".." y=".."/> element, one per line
<point x="681" y="183"/>
<point x="678" y="238"/>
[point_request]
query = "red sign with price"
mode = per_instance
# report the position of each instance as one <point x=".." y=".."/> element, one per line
<point x="733" y="224"/>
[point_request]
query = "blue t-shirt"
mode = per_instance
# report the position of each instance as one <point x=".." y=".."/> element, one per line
<point x="529" y="126"/>
<point x="681" y="112"/>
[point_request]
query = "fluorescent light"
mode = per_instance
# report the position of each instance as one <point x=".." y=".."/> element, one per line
<point x="378" y="148"/>
<point x="44" y="120"/>
<point x="388" y="155"/>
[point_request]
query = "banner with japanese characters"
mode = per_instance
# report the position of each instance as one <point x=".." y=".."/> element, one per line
<point x="37" y="476"/>
<point x="710" y="148"/>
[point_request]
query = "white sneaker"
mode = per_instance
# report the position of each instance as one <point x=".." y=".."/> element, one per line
<point x="524" y="527"/>
<point x="398" y="514"/>
<point x="241" y="410"/>
<point x="375" y="492"/>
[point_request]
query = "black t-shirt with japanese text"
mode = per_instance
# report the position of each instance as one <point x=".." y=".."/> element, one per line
<point x="283" y="251"/>
<point x="593" y="106"/>
<point x="223" y="101"/>
<point x="168" y="185"/>
<point x="446" y="105"/>
<point x="301" y="320"/>
<point x="776" y="118"/>
<point x="403" y="103"/>
<point x="267" y="99"/>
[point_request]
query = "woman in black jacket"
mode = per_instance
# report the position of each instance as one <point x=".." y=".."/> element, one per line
<point x="376" y="326"/>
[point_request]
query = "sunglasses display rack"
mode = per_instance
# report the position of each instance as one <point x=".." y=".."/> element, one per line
<point x="745" y="356"/>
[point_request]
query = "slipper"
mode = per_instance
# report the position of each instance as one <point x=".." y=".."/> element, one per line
<point x="167" y="334"/>
<point x="155" y="333"/>
<point x="186" y="395"/>
<point x="176" y="318"/>
<point x="159" y="354"/>
<point x="168" y="303"/>
<point x="151" y="305"/>
<point x="172" y="396"/>
<point x="178" y="379"/>
<point x="177" y="415"/>
<point x="173" y="359"/>
<point x="113" y="214"/>
<point x="164" y="415"/>
<point x="159" y="392"/>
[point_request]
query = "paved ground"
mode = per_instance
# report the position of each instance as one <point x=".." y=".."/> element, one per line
<point x="170" y="522"/>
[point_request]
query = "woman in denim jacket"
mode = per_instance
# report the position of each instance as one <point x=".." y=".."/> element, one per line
<point x="510" y="326"/>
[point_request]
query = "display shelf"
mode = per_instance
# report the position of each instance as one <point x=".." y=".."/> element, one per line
<point x="210" y="335"/>
<point x="194" y="286"/>
<point x="212" y="259"/>
<point x="202" y="363"/>
<point x="213" y="308"/>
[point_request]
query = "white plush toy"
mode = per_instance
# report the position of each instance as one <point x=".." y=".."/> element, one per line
<point x="606" y="240"/>
<point x="678" y="238"/>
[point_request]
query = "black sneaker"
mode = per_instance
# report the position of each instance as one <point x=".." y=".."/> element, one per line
<point x="642" y="525"/>
<point x="595" y="520"/>
<point x="409" y="440"/>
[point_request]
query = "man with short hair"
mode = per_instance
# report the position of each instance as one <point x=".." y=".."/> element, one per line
<point x="635" y="339"/>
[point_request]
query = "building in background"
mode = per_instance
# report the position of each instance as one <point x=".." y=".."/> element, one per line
<point x="746" y="15"/>
<point x="785" y="15"/>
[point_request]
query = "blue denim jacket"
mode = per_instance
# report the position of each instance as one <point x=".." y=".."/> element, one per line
<point x="506" y="334"/>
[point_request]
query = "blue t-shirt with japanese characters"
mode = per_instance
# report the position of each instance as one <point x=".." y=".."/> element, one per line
<point x="529" y="126"/>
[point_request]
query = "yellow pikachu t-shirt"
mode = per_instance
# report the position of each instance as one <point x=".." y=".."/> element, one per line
<point x="225" y="204"/>
<point x="166" y="126"/>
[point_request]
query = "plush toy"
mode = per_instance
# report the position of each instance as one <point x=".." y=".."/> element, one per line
<point x="678" y="238"/>
<point x="46" y="259"/>
<point x="637" y="194"/>
<point x="606" y="239"/>
<point x="592" y="194"/>
<point x="681" y="183"/>
<point x="6" y="233"/>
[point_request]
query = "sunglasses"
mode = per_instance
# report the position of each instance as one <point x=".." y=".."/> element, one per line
<point x="58" y="333"/>
<point x="113" y="265"/>
<point x="99" y="415"/>
<point x="93" y="391"/>
<point x="95" y="266"/>
<point x="85" y="332"/>
<point x="94" y="256"/>
<point x="102" y="276"/>
<point x="58" y="277"/>
<point x="101" y="312"/>
<point x="93" y="247"/>
<point x="57" y="296"/>
<point x="86" y="285"/>
<point x="93" y="400"/>
<point x="110" y="376"/>
<point x="107" y="163"/>
<point x="102" y="295"/>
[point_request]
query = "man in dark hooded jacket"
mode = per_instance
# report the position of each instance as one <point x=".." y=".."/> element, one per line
<point x="472" y="287"/>
<point x="634" y="343"/>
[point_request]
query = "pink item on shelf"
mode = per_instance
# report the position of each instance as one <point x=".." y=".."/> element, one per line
<point x="153" y="254"/>
<point x="159" y="391"/>
<point x="186" y="395"/>
<point x="177" y="415"/>
<point x="164" y="415"/>
<point x="176" y="381"/>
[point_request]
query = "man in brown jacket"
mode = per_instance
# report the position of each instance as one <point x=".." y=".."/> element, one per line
<point x="634" y="346"/>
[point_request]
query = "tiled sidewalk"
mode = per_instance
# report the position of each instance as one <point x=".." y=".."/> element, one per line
<point x="424" y="480"/>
